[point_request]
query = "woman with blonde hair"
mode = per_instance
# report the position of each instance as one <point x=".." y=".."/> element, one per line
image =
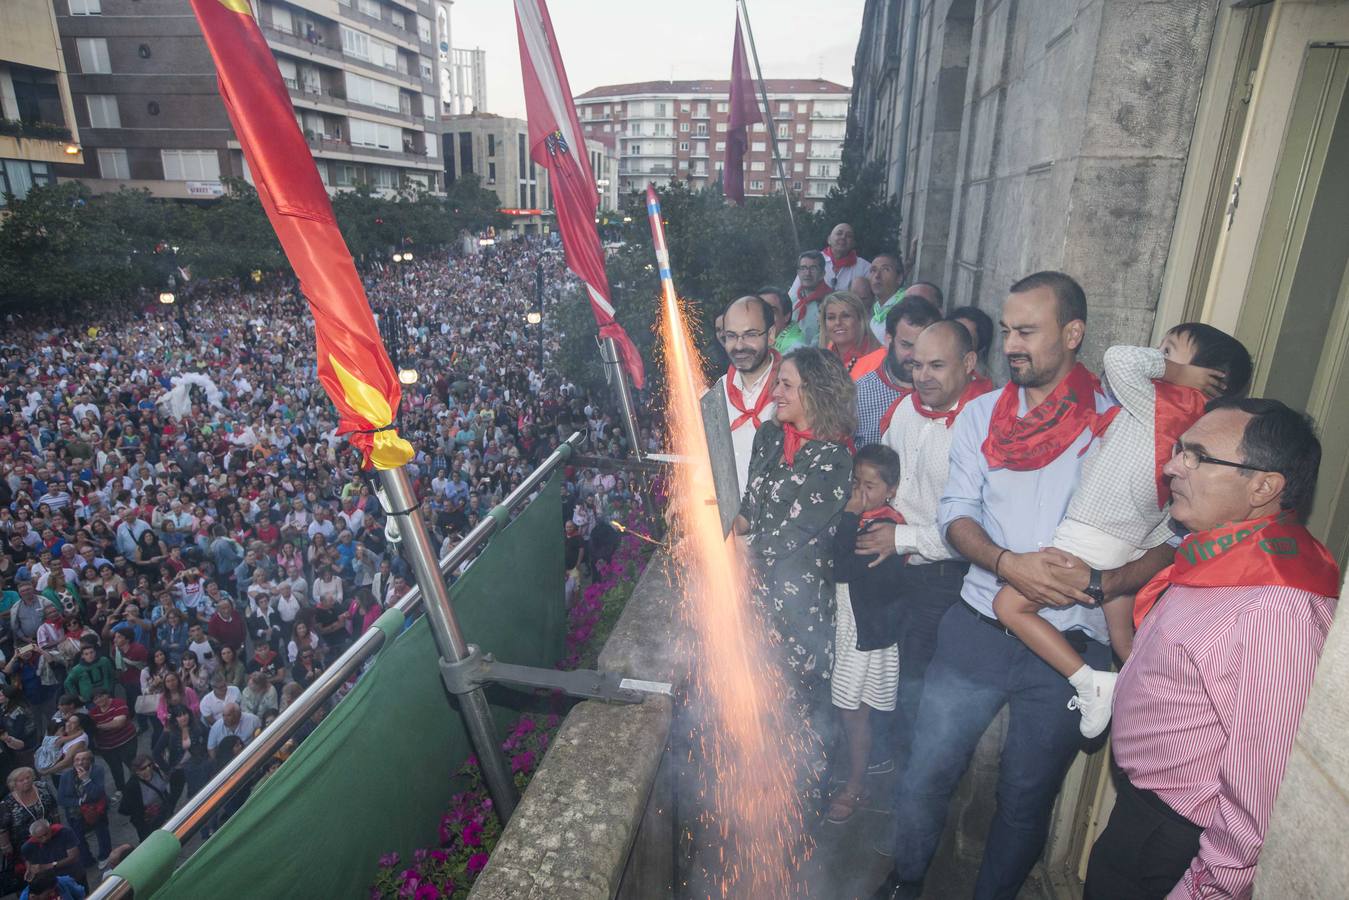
<point x="799" y="480"/>
<point x="844" y="333"/>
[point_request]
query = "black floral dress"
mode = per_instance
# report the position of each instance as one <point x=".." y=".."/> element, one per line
<point x="793" y="512"/>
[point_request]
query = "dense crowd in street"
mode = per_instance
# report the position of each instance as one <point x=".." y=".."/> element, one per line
<point x="187" y="541"/>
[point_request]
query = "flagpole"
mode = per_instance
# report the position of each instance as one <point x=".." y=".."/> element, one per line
<point x="772" y="128"/>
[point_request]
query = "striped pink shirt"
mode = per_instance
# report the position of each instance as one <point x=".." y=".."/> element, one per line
<point x="1205" y="713"/>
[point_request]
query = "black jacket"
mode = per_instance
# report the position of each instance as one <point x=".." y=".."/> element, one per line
<point x="875" y="593"/>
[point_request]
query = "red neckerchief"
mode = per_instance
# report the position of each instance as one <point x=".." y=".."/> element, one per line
<point x="885" y="379"/>
<point x="737" y="396"/>
<point x="886" y="512"/>
<point x="1038" y="437"/>
<point x="849" y="260"/>
<point x="983" y="380"/>
<point x="803" y="300"/>
<point x="948" y="416"/>
<point x="890" y="413"/>
<point x="1176" y="409"/>
<point x="1275" y="550"/>
<point x="792" y="439"/>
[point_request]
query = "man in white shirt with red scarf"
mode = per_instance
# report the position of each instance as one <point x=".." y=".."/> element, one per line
<point x="742" y="399"/>
<point x="844" y="270"/>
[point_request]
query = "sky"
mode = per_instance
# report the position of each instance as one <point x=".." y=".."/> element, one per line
<point x="616" y="41"/>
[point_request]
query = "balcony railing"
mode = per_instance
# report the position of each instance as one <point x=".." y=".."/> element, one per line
<point x="342" y="145"/>
<point x="318" y="47"/>
<point x="334" y="99"/>
<point x="42" y="131"/>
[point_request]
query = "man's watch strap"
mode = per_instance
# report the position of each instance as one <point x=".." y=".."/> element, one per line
<point x="1094" y="589"/>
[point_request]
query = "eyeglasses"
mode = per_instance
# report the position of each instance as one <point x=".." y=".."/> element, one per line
<point x="732" y="337"/>
<point x="1193" y="459"/>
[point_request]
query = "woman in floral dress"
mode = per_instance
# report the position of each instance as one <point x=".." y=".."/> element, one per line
<point x="799" y="481"/>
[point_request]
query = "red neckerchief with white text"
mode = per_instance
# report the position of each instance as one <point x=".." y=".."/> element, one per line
<point x="1176" y="409"/>
<point x="737" y="396"/>
<point x="1275" y="550"/>
<point x="1034" y="440"/>
<point x="849" y="260"/>
<point x="803" y="299"/>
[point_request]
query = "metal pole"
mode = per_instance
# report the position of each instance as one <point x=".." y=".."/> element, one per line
<point x="772" y="129"/>
<point x="449" y="637"/>
<point x="614" y="367"/>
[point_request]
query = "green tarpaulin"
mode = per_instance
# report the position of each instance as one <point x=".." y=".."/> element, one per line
<point x="375" y="776"/>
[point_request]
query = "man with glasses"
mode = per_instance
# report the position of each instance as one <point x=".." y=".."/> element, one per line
<point x="742" y="399"/>
<point x="807" y="292"/>
<point x="1230" y="634"/>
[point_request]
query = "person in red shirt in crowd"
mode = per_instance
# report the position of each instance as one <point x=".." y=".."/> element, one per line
<point x="114" y="733"/>
<point x="128" y="659"/>
<point x="226" y="627"/>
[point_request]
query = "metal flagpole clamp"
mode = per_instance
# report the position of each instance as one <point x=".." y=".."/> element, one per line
<point x="478" y="669"/>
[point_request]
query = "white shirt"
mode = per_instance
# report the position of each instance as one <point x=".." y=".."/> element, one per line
<point x="742" y="438"/>
<point x="212" y="706"/>
<point x="924" y="448"/>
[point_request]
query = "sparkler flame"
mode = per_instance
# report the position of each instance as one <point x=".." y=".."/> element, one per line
<point x="749" y="759"/>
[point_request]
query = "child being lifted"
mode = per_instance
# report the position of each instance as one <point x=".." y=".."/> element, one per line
<point x="1119" y="509"/>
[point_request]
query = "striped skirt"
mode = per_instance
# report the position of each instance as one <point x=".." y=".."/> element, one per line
<point x="860" y="676"/>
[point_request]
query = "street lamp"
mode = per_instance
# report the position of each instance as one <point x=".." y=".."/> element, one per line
<point x="398" y="257"/>
<point x="166" y="297"/>
<point x="407" y="376"/>
<point x="407" y="256"/>
<point x="534" y="317"/>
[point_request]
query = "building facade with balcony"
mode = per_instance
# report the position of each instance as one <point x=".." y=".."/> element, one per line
<point x="39" y="138"/>
<point x="360" y="73"/>
<point x="496" y="150"/>
<point x="667" y="130"/>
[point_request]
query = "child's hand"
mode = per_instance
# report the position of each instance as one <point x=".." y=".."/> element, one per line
<point x="857" y="502"/>
<point x="1211" y="382"/>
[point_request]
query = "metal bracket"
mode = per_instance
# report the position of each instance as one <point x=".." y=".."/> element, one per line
<point x="479" y="669"/>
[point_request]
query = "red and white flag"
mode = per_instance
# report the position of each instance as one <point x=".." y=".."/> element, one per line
<point x="744" y="111"/>
<point x="557" y="143"/>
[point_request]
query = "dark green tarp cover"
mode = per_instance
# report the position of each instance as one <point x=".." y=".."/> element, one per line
<point x="375" y="776"/>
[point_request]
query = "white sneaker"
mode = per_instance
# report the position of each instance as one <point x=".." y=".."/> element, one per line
<point x="1093" y="700"/>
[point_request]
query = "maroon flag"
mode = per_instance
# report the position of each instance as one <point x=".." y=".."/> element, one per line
<point x="743" y="113"/>
<point x="557" y="143"/>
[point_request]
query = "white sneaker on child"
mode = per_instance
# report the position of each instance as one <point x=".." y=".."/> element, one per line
<point x="1093" y="701"/>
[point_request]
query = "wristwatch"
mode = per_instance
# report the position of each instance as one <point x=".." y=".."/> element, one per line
<point x="1093" y="588"/>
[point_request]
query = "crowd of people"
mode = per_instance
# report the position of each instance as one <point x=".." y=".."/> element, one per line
<point x="187" y="541"/>
<point x="929" y="548"/>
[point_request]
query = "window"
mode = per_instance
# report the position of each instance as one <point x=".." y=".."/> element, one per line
<point x="430" y="141"/>
<point x="428" y="106"/>
<point x="801" y="128"/>
<point x="347" y="175"/>
<point x="113" y="164"/>
<point x="660" y="110"/>
<point x="684" y="107"/>
<point x="18" y="177"/>
<point x="721" y="147"/>
<point x="659" y="128"/>
<point x="491" y="172"/>
<point x="290" y="73"/>
<point x="86" y="7"/>
<point x="721" y="127"/>
<point x="190" y="165"/>
<point x="756" y="185"/>
<point x="684" y="126"/>
<point x="801" y="107"/>
<point x="103" y="111"/>
<point x="796" y="185"/>
<point x="756" y="166"/>
<point x="635" y="149"/>
<point x="684" y="146"/>
<point x="800" y="148"/>
<point x="375" y="134"/>
<point x="371" y="49"/>
<point x="397" y="18"/>
<point x="702" y="111"/>
<point x="281" y="19"/>
<point x="383" y="177"/>
<point x="370" y="92"/>
<point x="758" y="146"/>
<point x="428" y="73"/>
<point x="492" y="145"/>
<point x="721" y="107"/>
<point x="369" y="7"/>
<point x="782" y="132"/>
<point x="798" y="167"/>
<point x="759" y="127"/>
<point x="93" y="54"/>
<point x="784" y="108"/>
<point x="424" y="29"/>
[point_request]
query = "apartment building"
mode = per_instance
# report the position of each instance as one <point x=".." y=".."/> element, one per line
<point x="360" y="73"/>
<point x="496" y="150"/>
<point x="668" y="130"/>
<point x="38" y="135"/>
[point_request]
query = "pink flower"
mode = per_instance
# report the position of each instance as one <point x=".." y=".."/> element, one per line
<point x="426" y="891"/>
<point x="388" y="860"/>
<point x="420" y="855"/>
<point x="472" y="835"/>
<point x="476" y="863"/>
<point x="439" y="856"/>
<point x="523" y="762"/>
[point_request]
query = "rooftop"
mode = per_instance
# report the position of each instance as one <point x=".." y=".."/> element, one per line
<point x="716" y="87"/>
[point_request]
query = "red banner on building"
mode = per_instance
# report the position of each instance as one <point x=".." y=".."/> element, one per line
<point x="353" y="365"/>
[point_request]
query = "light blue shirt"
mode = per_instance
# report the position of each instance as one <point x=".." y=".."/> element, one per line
<point x="1018" y="510"/>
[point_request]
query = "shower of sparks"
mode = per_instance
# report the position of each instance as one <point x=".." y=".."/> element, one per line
<point x="745" y="747"/>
